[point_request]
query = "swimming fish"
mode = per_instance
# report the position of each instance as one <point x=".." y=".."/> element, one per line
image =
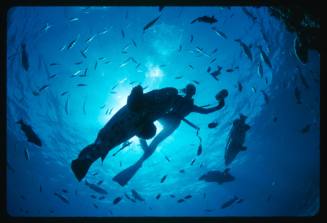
<point x="129" y="198"/>
<point x="306" y="128"/>
<point x="117" y="200"/>
<point x="151" y="23"/>
<point x="265" y="96"/>
<point x="260" y="70"/>
<point x="83" y="53"/>
<point x="102" y="197"/>
<point x="54" y="64"/>
<point x="163" y="179"/>
<point x="64" y="191"/>
<point x="73" y="43"/>
<point x="46" y="27"/>
<point x="182" y="171"/>
<point x="137" y="196"/>
<point x="214" y="51"/>
<point x="63" y="93"/>
<point x="172" y="196"/>
<point x="229" y="202"/>
<point x="100" y="182"/>
<point x="158" y="196"/>
<point x="303" y="80"/>
<point x="24" y="57"/>
<point x="96" y="206"/>
<point x="199" y="150"/>
<point x="191" y="38"/>
<point x="122" y="33"/>
<point x="205" y="19"/>
<point x="167" y="158"/>
<point x="197" y="82"/>
<point x="209" y="69"/>
<point x="249" y="14"/>
<point x="90" y="38"/>
<point x="192" y="162"/>
<point x="264" y="57"/>
<point x="213" y="60"/>
<point x="297" y="94"/>
<point x="73" y="19"/>
<point x="95" y="188"/>
<point x="178" y="77"/>
<point x="66" y="105"/>
<point x="188" y="197"/>
<point x="61" y="197"/>
<point x="180" y="200"/>
<point x="29" y="133"/>
<point x="79" y="62"/>
<point x="26" y="153"/>
<point x="81" y="85"/>
<point x="200" y="50"/>
<point x="95" y="65"/>
<point x="134" y="43"/>
<point x="212" y="125"/>
<point x="220" y="33"/>
<point x="217" y="72"/>
<point x="245" y="48"/>
<point x="43" y="87"/>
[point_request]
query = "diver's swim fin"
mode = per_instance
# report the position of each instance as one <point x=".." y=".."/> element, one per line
<point x="80" y="167"/>
<point x="124" y="176"/>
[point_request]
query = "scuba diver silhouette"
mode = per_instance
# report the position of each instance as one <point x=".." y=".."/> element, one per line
<point x="183" y="106"/>
<point x="136" y="119"/>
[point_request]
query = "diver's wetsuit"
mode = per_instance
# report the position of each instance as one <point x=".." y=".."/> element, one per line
<point x="171" y="121"/>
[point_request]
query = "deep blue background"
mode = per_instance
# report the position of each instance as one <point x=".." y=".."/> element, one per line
<point x="280" y="161"/>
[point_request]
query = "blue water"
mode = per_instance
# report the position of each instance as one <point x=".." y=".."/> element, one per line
<point x="278" y="174"/>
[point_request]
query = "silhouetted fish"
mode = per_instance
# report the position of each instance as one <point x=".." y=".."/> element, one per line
<point x="66" y="105"/>
<point x="306" y="128"/>
<point x="137" y="196"/>
<point x="260" y="70"/>
<point x="265" y="96"/>
<point x="264" y="57"/>
<point x="212" y="125"/>
<point x="81" y="85"/>
<point x="245" y="48"/>
<point x="297" y="94"/>
<point x="180" y="200"/>
<point x="43" y="87"/>
<point x="163" y="179"/>
<point x="239" y="86"/>
<point x="117" y="200"/>
<point x="249" y="14"/>
<point x="205" y="19"/>
<point x="182" y="171"/>
<point x="72" y="43"/>
<point x="93" y="196"/>
<point x="167" y="158"/>
<point x="83" y="53"/>
<point x="220" y="33"/>
<point x="26" y="153"/>
<point x="100" y="182"/>
<point x="96" y="206"/>
<point x="188" y="197"/>
<point x="199" y="150"/>
<point x="151" y="23"/>
<point x="216" y="73"/>
<point x="229" y="202"/>
<point x="172" y="196"/>
<point x="209" y="69"/>
<point x="61" y="197"/>
<point x="95" y="188"/>
<point x="95" y="65"/>
<point x="134" y="43"/>
<point x="178" y="77"/>
<point x="29" y="133"/>
<point x="191" y="38"/>
<point x="158" y="196"/>
<point x="197" y="82"/>
<point x="122" y="33"/>
<point x="192" y="162"/>
<point x="24" y="57"/>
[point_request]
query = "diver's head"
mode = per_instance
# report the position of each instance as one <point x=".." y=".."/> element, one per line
<point x="189" y="90"/>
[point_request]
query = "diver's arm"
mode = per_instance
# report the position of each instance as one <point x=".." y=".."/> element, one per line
<point x="209" y="110"/>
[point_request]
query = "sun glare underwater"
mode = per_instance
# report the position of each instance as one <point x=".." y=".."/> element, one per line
<point x="70" y="69"/>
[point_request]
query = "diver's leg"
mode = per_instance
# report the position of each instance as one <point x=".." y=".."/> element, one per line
<point x="167" y="131"/>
